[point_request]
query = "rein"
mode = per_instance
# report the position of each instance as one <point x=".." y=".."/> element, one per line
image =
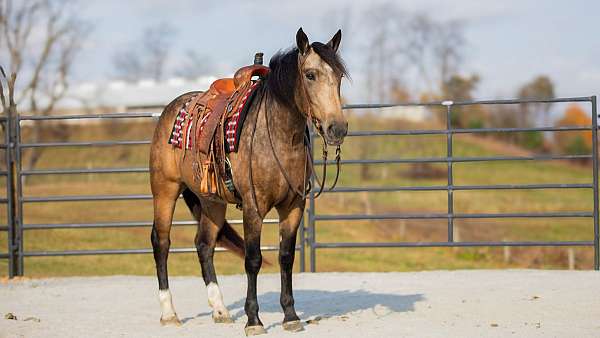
<point x="285" y="175"/>
<point x="338" y="157"/>
<point x="307" y="149"/>
<point x="310" y="116"/>
<point x="308" y="156"/>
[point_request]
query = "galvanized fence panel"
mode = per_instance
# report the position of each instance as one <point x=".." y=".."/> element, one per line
<point x="20" y="226"/>
<point x="307" y="235"/>
<point x="450" y="187"/>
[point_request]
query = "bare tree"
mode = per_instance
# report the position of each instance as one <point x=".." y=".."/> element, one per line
<point x="414" y="48"/>
<point x="448" y="46"/>
<point x="385" y="21"/>
<point x="411" y="55"/>
<point x="40" y="39"/>
<point x="539" y="88"/>
<point x="196" y="65"/>
<point x="148" y="56"/>
<point x="7" y="97"/>
<point x="128" y="65"/>
<point x="339" y="17"/>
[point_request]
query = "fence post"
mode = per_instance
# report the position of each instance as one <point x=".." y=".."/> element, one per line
<point x="595" y="182"/>
<point x="448" y="105"/>
<point x="9" y="195"/>
<point x="18" y="197"/>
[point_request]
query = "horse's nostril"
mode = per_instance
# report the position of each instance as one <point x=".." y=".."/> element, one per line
<point x="337" y="130"/>
<point x="344" y="129"/>
<point x="330" y="129"/>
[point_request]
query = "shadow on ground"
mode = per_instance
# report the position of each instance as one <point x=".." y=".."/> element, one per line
<point x="312" y="303"/>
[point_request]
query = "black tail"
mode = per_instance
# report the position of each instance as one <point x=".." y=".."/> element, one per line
<point x="227" y="237"/>
<point x="231" y="240"/>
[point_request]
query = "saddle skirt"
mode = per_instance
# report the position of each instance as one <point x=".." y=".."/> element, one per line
<point x="211" y="122"/>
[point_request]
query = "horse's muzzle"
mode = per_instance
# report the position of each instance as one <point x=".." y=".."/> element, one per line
<point x="335" y="133"/>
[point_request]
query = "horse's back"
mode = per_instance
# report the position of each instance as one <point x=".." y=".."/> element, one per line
<point x="162" y="156"/>
<point x="171" y="109"/>
<point x="167" y="117"/>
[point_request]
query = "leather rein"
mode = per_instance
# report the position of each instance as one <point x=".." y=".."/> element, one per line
<point x="307" y="149"/>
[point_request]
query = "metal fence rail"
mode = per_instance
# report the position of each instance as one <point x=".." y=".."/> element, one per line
<point x="450" y="187"/>
<point x="15" y="200"/>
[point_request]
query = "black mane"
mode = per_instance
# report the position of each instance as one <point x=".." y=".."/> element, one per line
<point x="281" y="81"/>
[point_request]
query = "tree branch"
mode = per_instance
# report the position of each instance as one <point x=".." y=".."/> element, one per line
<point x="60" y="32"/>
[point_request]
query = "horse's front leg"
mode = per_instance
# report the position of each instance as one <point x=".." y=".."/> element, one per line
<point x="289" y="220"/>
<point x="253" y="262"/>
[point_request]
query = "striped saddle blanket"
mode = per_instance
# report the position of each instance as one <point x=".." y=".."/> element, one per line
<point x="184" y="135"/>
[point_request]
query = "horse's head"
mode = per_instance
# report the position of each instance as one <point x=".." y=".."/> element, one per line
<point x="320" y="72"/>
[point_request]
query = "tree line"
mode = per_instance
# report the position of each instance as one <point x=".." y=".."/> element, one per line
<point x="409" y="56"/>
<point x="412" y="56"/>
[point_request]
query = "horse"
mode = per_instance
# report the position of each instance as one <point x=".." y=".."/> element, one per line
<point x="269" y="170"/>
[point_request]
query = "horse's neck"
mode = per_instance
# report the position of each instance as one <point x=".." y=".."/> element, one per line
<point x="286" y="125"/>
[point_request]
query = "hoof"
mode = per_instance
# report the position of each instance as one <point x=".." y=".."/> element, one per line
<point x="293" y="326"/>
<point x="254" y="330"/>
<point x="173" y="321"/>
<point x="222" y="316"/>
<point x="222" y="319"/>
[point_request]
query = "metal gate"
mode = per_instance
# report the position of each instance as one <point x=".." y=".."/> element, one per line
<point x="15" y="199"/>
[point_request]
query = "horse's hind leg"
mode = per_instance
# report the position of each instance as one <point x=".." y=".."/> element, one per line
<point x="165" y="197"/>
<point x="210" y="220"/>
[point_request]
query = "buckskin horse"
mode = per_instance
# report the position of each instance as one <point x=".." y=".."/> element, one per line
<point x="270" y="167"/>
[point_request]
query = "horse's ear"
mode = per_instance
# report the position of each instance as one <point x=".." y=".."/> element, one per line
<point x="302" y="41"/>
<point x="334" y="43"/>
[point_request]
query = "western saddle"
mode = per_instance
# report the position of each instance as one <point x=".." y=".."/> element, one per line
<point x="211" y="117"/>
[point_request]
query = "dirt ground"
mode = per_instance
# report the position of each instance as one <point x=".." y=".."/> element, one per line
<point x="419" y="304"/>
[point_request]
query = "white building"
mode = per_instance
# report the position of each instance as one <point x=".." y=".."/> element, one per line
<point x="120" y="95"/>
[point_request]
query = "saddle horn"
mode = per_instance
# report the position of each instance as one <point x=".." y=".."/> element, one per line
<point x="258" y="58"/>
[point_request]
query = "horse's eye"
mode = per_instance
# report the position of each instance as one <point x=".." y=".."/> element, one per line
<point x="311" y="76"/>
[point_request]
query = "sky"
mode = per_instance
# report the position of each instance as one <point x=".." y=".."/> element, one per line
<point x="508" y="42"/>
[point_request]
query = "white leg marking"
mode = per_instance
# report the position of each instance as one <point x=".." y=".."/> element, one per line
<point x="166" y="304"/>
<point x="215" y="300"/>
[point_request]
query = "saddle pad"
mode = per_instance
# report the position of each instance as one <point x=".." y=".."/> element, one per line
<point x="234" y="124"/>
<point x="182" y="127"/>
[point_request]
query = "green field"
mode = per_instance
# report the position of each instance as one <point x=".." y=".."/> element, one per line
<point x="478" y="173"/>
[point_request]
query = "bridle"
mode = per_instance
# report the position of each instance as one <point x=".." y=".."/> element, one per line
<point x="308" y="146"/>
<point x="317" y="123"/>
<point x="306" y="189"/>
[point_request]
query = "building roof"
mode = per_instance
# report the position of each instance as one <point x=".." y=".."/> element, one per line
<point x="119" y="94"/>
